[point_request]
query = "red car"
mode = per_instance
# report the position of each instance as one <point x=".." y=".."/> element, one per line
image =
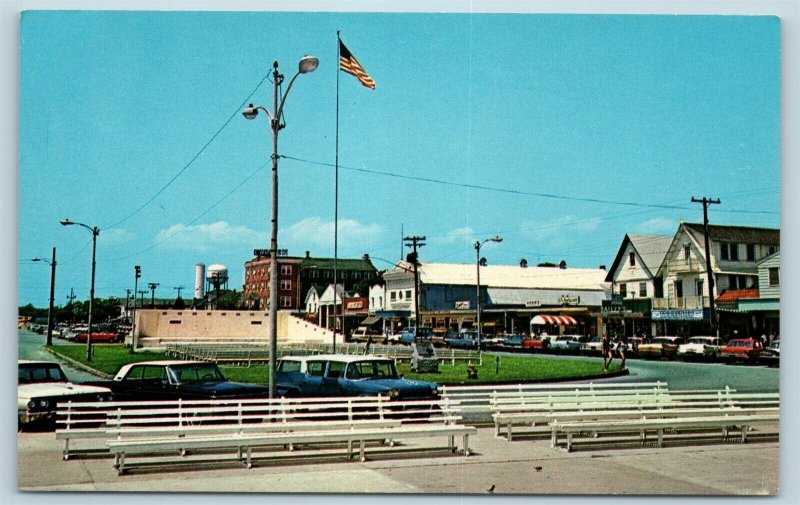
<point x="536" y="343"/>
<point x="741" y="349"/>
<point x="101" y="337"/>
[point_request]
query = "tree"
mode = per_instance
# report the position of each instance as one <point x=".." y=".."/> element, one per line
<point x="179" y="304"/>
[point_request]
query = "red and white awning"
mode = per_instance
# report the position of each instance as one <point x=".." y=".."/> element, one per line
<point x="559" y="320"/>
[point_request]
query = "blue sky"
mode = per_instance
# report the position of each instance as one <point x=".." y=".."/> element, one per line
<point x="560" y="133"/>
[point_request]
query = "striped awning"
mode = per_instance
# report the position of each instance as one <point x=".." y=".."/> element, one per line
<point x="559" y="320"/>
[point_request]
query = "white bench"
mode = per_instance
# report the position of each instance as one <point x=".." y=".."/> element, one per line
<point x="246" y="443"/>
<point x="149" y="420"/>
<point x="477" y="400"/>
<point x="723" y="420"/>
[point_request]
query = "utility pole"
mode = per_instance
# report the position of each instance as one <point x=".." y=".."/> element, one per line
<point x="152" y="286"/>
<point x="179" y="288"/>
<point x="137" y="273"/>
<point x="141" y="292"/>
<point x="415" y="242"/>
<point x="71" y="297"/>
<point x="712" y="313"/>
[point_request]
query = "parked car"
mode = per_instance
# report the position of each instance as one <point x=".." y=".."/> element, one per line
<point x="348" y="375"/>
<point x="465" y="339"/>
<point x="705" y="347"/>
<point x="592" y="346"/>
<point x="633" y="344"/>
<point x="173" y="380"/>
<point x="568" y="343"/>
<point x="771" y="356"/>
<point x="514" y="342"/>
<point x="411" y="334"/>
<point x="661" y="347"/>
<point x="42" y="385"/>
<point x="536" y="343"/>
<point x="741" y="349"/>
<point x="100" y="337"/>
<point x="364" y="333"/>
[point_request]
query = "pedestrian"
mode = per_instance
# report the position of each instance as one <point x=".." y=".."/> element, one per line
<point x="622" y="348"/>
<point x="605" y="350"/>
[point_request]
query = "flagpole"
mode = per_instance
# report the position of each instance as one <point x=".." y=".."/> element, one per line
<point x="336" y="201"/>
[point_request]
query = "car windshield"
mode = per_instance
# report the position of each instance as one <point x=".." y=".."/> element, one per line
<point x="699" y="340"/>
<point x="662" y="341"/>
<point x="383" y="369"/>
<point x="29" y="374"/>
<point x="199" y="372"/>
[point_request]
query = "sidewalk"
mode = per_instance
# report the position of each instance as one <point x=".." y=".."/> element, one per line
<point x="518" y="467"/>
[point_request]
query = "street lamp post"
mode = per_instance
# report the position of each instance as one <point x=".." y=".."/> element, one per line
<point x="307" y="64"/>
<point x="478" y="245"/>
<point x="50" y="312"/>
<point x="95" y="232"/>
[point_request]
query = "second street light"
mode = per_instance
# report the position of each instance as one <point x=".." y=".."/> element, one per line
<point x="307" y="64"/>
<point x="50" y="313"/>
<point x="95" y="232"/>
<point x="478" y="246"/>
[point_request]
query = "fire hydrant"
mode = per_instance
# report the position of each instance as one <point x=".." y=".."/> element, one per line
<point x="472" y="371"/>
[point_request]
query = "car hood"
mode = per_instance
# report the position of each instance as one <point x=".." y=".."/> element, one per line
<point x="407" y="388"/>
<point x="221" y="389"/>
<point x="56" y="389"/>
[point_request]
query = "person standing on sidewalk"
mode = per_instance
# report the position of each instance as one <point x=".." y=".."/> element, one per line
<point x="605" y="350"/>
<point x="622" y="348"/>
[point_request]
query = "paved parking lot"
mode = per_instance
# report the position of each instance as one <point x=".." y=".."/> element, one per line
<point x="519" y="467"/>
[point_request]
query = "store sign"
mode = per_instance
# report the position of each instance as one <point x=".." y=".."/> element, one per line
<point x="265" y="252"/>
<point x="355" y="305"/>
<point x="678" y="315"/>
<point x="462" y="305"/>
<point x="570" y="300"/>
<point x="533" y="303"/>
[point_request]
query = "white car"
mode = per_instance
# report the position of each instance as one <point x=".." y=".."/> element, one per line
<point x="568" y="343"/>
<point x="42" y="385"/>
<point x="706" y="347"/>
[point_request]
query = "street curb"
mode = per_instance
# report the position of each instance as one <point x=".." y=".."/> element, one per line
<point x="78" y="364"/>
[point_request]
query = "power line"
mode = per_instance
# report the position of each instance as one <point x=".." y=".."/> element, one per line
<point x="513" y="191"/>
<point x="185" y="167"/>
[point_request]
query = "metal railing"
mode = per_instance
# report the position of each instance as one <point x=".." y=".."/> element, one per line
<point x="686" y="302"/>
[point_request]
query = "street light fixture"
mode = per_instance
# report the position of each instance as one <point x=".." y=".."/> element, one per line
<point x="478" y="246"/>
<point x="307" y="64"/>
<point x="95" y="232"/>
<point x="50" y="312"/>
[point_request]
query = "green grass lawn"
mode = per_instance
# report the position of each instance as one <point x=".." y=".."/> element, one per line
<point x="108" y="358"/>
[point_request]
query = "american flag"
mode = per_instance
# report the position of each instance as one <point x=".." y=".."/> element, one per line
<point x="349" y="64"/>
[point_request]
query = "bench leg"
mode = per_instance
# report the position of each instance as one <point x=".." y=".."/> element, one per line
<point x="660" y="437"/>
<point x="553" y="438"/>
<point x="466" y="445"/>
<point x="496" y="429"/>
<point x="569" y="442"/>
<point x="744" y="433"/>
<point x="66" y="449"/>
<point x="361" y="451"/>
<point x="249" y="462"/>
<point x="121" y="465"/>
<point x="451" y="443"/>
<point x="508" y="431"/>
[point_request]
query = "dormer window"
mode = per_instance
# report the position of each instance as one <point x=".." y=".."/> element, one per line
<point x="632" y="259"/>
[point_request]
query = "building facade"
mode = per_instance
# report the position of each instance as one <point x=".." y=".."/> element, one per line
<point x="297" y="275"/>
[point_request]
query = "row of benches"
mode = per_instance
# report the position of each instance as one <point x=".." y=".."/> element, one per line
<point x="241" y="355"/>
<point x="168" y="433"/>
<point x="637" y="411"/>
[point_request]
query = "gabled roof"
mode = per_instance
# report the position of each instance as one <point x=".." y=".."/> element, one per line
<point x="739" y="234"/>
<point x="509" y="276"/>
<point x="651" y="249"/>
<point x="341" y="264"/>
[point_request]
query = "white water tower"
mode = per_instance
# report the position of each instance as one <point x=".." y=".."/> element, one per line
<point x="217" y="276"/>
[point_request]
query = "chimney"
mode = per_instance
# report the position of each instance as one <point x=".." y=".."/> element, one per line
<point x="365" y="257"/>
<point x="602" y="267"/>
<point x="308" y="254"/>
<point x="562" y="265"/>
<point x="523" y="263"/>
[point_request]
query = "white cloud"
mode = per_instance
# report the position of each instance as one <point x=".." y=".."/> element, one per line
<point x="205" y="237"/>
<point x="459" y="235"/>
<point x="657" y="225"/>
<point x="313" y="231"/>
<point x="117" y="236"/>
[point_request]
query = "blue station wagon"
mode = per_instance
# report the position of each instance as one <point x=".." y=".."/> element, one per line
<point x="348" y="375"/>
